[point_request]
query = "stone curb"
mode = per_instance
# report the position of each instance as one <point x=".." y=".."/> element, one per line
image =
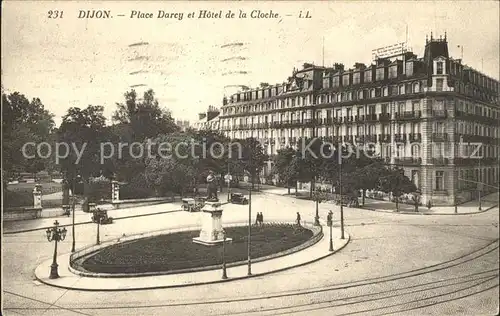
<point x="202" y="283"/>
<point x="87" y="222"/>
<point x="318" y="235"/>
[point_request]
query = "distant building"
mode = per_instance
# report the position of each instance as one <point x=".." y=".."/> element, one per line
<point x="184" y="125"/>
<point x="208" y="120"/>
<point x="402" y="104"/>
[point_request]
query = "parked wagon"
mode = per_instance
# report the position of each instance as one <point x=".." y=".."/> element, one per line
<point x="192" y="205"/>
<point x="238" y="198"/>
<point x="102" y="215"/>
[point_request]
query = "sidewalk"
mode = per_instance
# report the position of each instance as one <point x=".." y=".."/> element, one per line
<point x="68" y="280"/>
<point x="84" y="218"/>
<point x="472" y="207"/>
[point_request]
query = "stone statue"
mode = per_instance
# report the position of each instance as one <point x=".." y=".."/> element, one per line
<point x="212" y="187"/>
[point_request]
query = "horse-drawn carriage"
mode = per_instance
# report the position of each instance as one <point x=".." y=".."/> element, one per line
<point x="238" y="198"/>
<point x="346" y="200"/>
<point x="192" y="205"/>
<point x="101" y="216"/>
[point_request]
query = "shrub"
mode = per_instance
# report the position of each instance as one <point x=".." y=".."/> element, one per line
<point x="100" y="189"/>
<point x="18" y="198"/>
<point x="137" y="189"/>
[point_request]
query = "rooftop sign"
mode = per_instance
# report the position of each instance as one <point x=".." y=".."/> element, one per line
<point x="389" y="51"/>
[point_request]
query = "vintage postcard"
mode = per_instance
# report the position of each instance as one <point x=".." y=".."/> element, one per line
<point x="250" y="157"/>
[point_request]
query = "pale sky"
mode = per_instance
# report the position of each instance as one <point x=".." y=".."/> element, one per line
<point x="76" y="62"/>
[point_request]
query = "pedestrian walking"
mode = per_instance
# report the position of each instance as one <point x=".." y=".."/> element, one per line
<point x="261" y="219"/>
<point x="298" y="218"/>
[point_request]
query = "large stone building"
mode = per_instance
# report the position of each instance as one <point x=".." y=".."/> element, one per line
<point x="415" y="109"/>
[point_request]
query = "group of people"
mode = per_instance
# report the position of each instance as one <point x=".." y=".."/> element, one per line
<point x="259" y="221"/>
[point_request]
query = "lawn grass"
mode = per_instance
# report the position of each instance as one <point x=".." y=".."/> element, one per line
<point x="178" y="251"/>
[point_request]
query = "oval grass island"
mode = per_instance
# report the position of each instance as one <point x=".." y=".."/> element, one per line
<point x="171" y="253"/>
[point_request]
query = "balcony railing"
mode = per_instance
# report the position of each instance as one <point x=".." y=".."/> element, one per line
<point x="439" y="137"/>
<point x="348" y="138"/>
<point x="438" y="113"/>
<point x="408" y="160"/>
<point x="371" y="138"/>
<point x="359" y="139"/>
<point x="359" y="118"/>
<point x="439" y="161"/>
<point x="415" y="137"/>
<point x="400" y="137"/>
<point x="384" y="138"/>
<point x="371" y="117"/>
<point x="383" y="117"/>
<point x="408" y="115"/>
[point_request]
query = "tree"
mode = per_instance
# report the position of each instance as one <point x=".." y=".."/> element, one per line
<point x="137" y="121"/>
<point x="85" y="130"/>
<point x="22" y="122"/>
<point x="173" y="171"/>
<point x="284" y="166"/>
<point x="309" y="160"/>
<point x="368" y="177"/>
<point x="146" y="118"/>
<point x="253" y="157"/>
<point x="397" y="183"/>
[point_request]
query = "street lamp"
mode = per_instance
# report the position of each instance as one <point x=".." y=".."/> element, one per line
<point x="224" y="273"/>
<point x="73" y="202"/>
<point x="55" y="234"/>
<point x="97" y="218"/>
<point x="329" y="222"/>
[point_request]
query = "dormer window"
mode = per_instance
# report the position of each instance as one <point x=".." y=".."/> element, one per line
<point x="393" y="71"/>
<point x="439" y="68"/>
<point x="409" y="69"/>
<point x="356" y="78"/>
<point x="368" y="76"/>
<point x="380" y="74"/>
<point x="335" y="82"/>
<point x="345" y="80"/>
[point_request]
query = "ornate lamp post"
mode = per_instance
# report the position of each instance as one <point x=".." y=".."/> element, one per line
<point x="329" y="222"/>
<point x="224" y="272"/>
<point x="55" y="234"/>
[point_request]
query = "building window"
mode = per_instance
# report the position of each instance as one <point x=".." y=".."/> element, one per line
<point x="414" y="177"/>
<point x="335" y="82"/>
<point x="439" y="69"/>
<point x="409" y="69"/>
<point x="360" y="95"/>
<point x="368" y="76"/>
<point x="385" y="91"/>
<point x="401" y="89"/>
<point x="416" y="87"/>
<point x="380" y="74"/>
<point x="372" y="93"/>
<point x="393" y="72"/>
<point x="356" y="78"/>
<point x="345" y="80"/>
<point x="439" y="84"/>
<point x="439" y="180"/>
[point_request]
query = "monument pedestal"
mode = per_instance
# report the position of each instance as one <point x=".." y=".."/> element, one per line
<point x="211" y="231"/>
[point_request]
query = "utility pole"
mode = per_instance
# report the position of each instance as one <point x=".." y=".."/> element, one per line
<point x="250" y="206"/>
<point x="341" y="199"/>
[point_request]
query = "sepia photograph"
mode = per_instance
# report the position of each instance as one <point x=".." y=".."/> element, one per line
<point x="250" y="158"/>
